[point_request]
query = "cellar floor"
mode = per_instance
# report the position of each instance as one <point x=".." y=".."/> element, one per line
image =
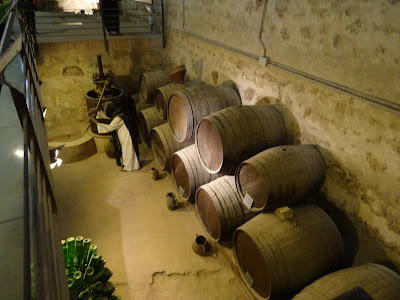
<point x="147" y="247"/>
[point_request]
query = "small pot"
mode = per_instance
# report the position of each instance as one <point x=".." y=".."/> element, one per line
<point x="171" y="201"/>
<point x="155" y="174"/>
<point x="201" y="246"/>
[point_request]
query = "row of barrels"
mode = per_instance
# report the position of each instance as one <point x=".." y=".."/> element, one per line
<point x="183" y="105"/>
<point x="274" y="255"/>
<point x="155" y="90"/>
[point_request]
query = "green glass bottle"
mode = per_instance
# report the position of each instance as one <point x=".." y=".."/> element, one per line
<point x="71" y="247"/>
<point x="95" y="262"/>
<point x="108" y="289"/>
<point x="75" y="261"/>
<point x="71" y="284"/>
<point x="89" y="274"/>
<point x="85" y="294"/>
<point x="64" y="247"/>
<point x="68" y="262"/>
<point x="102" y="276"/>
<point x="78" y="277"/>
<point x="86" y="245"/>
<point x="96" y="287"/>
<point x="70" y="271"/>
<point x="102" y="263"/>
<point x="92" y="249"/>
<point x="79" y="247"/>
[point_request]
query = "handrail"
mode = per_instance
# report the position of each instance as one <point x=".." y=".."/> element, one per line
<point x="5" y="39"/>
<point x="29" y="109"/>
<point x="15" y="2"/>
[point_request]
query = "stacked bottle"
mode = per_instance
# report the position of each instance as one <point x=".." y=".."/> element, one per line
<point x="86" y="273"/>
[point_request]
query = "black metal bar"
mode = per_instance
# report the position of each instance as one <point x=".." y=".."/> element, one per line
<point x="5" y="40"/>
<point x="100" y="65"/>
<point x="37" y="228"/>
<point x="164" y="41"/>
<point x="104" y="27"/>
<point x="22" y="110"/>
<point x="27" y="232"/>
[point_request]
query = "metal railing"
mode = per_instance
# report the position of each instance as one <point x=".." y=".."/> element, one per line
<point x="43" y="267"/>
<point x="74" y="24"/>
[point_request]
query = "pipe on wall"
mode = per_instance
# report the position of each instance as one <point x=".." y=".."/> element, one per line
<point x="262" y="27"/>
<point x="380" y="102"/>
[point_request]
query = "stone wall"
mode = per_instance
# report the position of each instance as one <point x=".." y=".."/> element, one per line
<point x="353" y="43"/>
<point x="66" y="71"/>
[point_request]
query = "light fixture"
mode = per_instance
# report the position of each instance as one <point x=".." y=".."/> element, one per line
<point x="19" y="153"/>
<point x="54" y="160"/>
<point x="44" y="112"/>
<point x="57" y="163"/>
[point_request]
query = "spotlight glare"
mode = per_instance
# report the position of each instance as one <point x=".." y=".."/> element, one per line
<point x="19" y="153"/>
<point x="59" y="162"/>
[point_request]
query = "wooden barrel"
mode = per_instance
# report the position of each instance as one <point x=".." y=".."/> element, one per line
<point x="228" y="137"/>
<point x="142" y="106"/>
<point x="177" y="74"/>
<point x="147" y="120"/>
<point x="150" y="81"/>
<point x="220" y="208"/>
<point x="163" y="94"/>
<point x="280" y="176"/>
<point x="379" y="282"/>
<point x="276" y="256"/>
<point x="187" y="107"/>
<point x="187" y="172"/>
<point x="164" y="145"/>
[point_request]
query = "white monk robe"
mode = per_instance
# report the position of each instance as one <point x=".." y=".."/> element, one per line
<point x="129" y="156"/>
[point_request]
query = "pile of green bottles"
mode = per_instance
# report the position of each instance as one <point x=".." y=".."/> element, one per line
<point x="86" y="274"/>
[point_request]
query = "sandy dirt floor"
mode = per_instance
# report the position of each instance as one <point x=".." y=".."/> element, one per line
<point x="147" y="246"/>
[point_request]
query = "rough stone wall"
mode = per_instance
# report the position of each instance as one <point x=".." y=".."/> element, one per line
<point x="355" y="43"/>
<point x="66" y="70"/>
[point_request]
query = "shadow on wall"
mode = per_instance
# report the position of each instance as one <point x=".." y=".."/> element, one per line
<point x="359" y="246"/>
<point x="125" y="83"/>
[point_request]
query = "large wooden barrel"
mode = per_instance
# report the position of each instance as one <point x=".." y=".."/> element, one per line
<point x="147" y="120"/>
<point x="163" y="94"/>
<point x="150" y="81"/>
<point x="187" y="107"/>
<point x="228" y="137"/>
<point x="164" y="145"/>
<point x="187" y="172"/>
<point x="276" y="256"/>
<point x="220" y="208"/>
<point x="280" y="176"/>
<point x="381" y="283"/>
<point x="178" y="74"/>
